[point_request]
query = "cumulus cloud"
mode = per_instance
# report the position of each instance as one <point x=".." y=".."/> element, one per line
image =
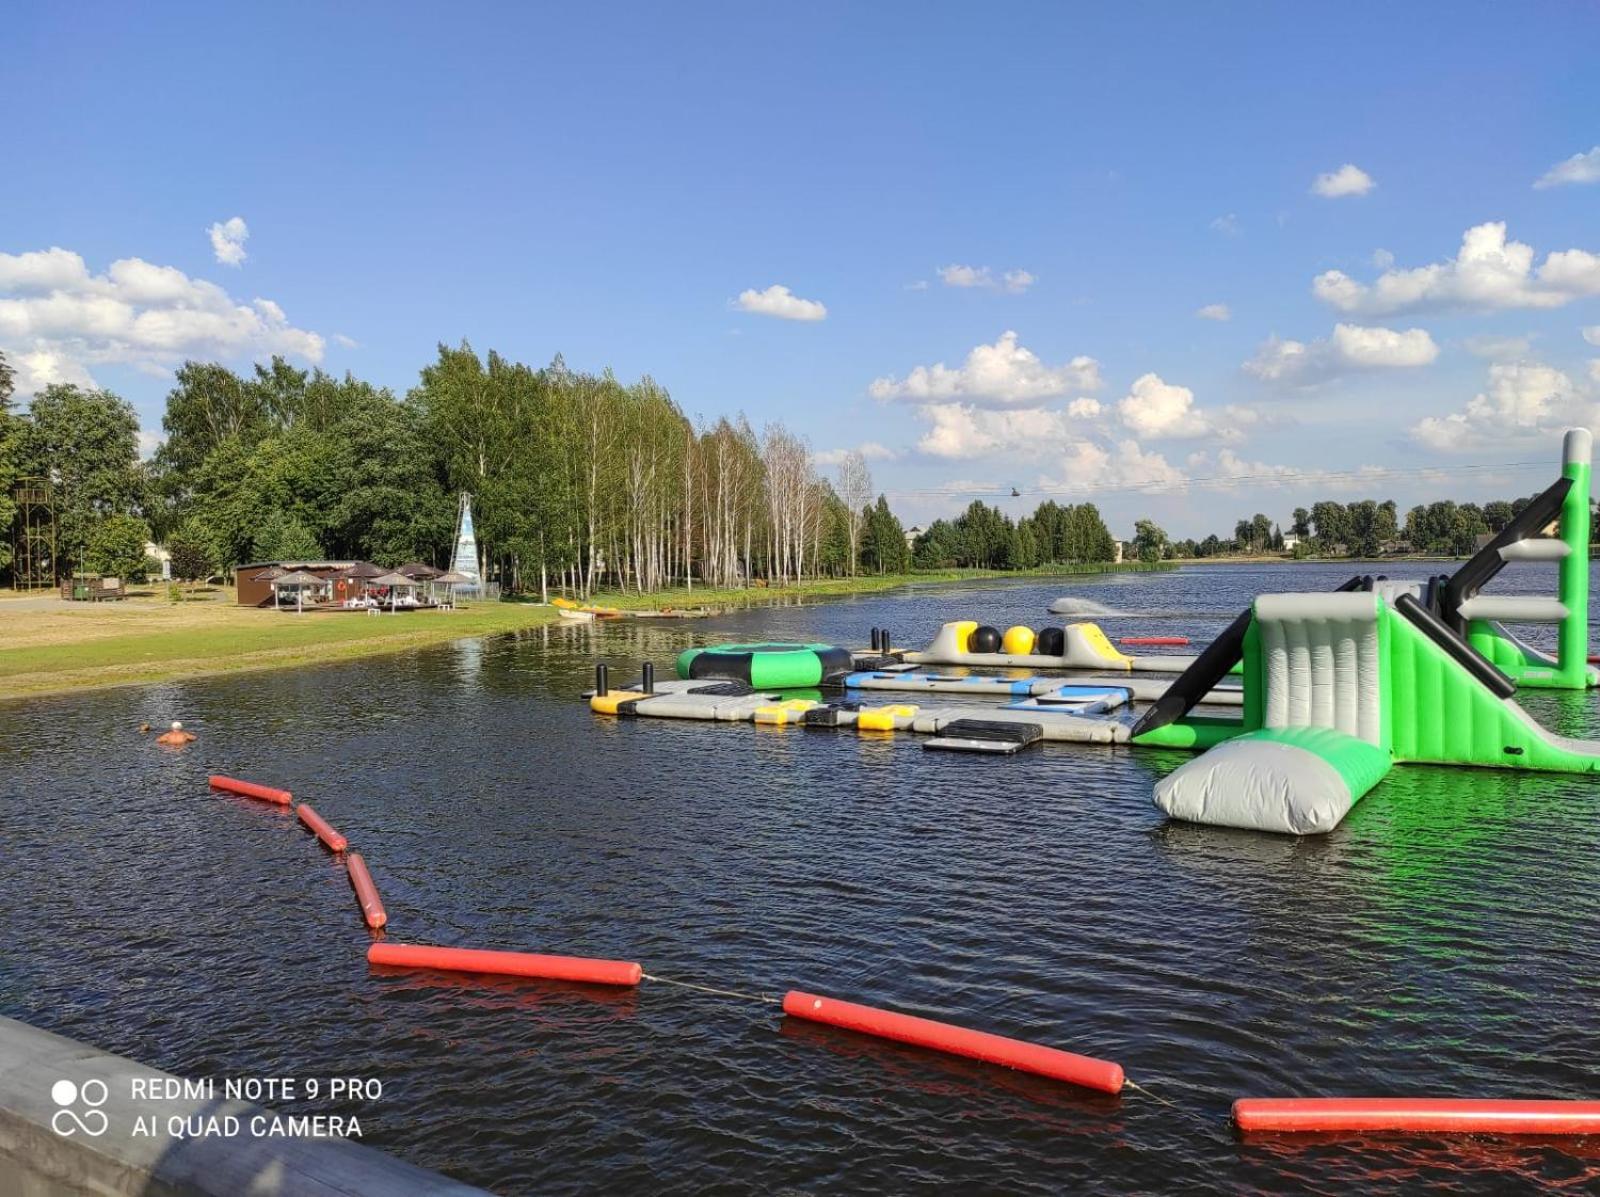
<point x="1580" y="168"/>
<point x="1215" y="311"/>
<point x="1349" y="179"/>
<point x="1084" y="409"/>
<point x="781" y="303"/>
<point x="227" y="240"/>
<point x="959" y="431"/>
<point x="1488" y="273"/>
<point x="1161" y="410"/>
<point x="1086" y="467"/>
<point x="1004" y="374"/>
<point x="871" y="450"/>
<point x="1350" y="347"/>
<point x="1013" y="281"/>
<point x="57" y="320"/>
<point x="1592" y="334"/>
<point x="1522" y="400"/>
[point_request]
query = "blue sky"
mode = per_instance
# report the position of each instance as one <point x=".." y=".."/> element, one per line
<point x="607" y="181"/>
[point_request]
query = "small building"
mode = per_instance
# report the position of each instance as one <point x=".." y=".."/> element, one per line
<point x="1291" y="541"/>
<point x="253" y="581"/>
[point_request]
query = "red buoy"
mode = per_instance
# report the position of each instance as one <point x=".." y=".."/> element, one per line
<point x="508" y="964"/>
<point x="980" y="1045"/>
<point x="1168" y="640"/>
<point x="1448" y="1115"/>
<point x="250" y="789"/>
<point x="325" y="833"/>
<point x="366" y="893"/>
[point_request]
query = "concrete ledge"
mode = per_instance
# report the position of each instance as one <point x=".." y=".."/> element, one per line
<point x="38" y="1160"/>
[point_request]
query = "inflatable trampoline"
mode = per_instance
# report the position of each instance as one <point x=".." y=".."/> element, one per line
<point x="767" y="666"/>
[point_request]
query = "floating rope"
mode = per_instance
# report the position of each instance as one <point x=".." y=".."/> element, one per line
<point x="768" y="998"/>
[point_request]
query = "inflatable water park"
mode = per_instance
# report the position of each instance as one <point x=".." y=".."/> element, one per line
<point x="1299" y="708"/>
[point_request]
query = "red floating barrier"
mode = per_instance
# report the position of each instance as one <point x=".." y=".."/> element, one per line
<point x="1168" y="640"/>
<point x="325" y="833"/>
<point x="1450" y="1115"/>
<point x="250" y="789"/>
<point x="366" y="893"/>
<point x="509" y="964"/>
<point x="980" y="1045"/>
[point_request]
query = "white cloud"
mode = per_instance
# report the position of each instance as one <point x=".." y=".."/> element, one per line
<point x="1382" y="258"/>
<point x="960" y="431"/>
<point x="1580" y="168"/>
<point x="227" y="240"/>
<point x="1350" y="347"/>
<point x="345" y="342"/>
<point x="1592" y="334"/>
<point x="1522" y="400"/>
<point x="1084" y="409"/>
<point x="1227" y="225"/>
<point x="1497" y="348"/>
<point x="1157" y="408"/>
<point x="778" y="301"/>
<point x="149" y="442"/>
<point x="1215" y="311"/>
<point x="871" y="450"/>
<point x="41" y="367"/>
<point x="1087" y="467"/>
<point x="1013" y="281"/>
<point x="1349" y="179"/>
<point x="60" y="320"/>
<point x="1004" y="374"/>
<point x="1489" y="273"/>
<point x="1162" y="410"/>
<point x="920" y="284"/>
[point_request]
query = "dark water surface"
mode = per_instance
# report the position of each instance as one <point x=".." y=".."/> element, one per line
<point x="1443" y="941"/>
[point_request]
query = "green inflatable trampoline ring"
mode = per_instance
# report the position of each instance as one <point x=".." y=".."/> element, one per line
<point x="767" y="666"/>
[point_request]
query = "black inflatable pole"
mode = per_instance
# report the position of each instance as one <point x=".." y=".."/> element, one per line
<point x="601" y="687"/>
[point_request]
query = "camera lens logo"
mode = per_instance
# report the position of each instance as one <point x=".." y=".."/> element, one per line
<point x="67" y="1120"/>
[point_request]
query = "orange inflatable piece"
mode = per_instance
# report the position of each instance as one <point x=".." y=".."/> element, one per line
<point x="334" y="841"/>
<point x="366" y="893"/>
<point x="507" y="964"/>
<point x="250" y="789"/>
<point x="1444" y="1115"/>
<point x="959" y="1041"/>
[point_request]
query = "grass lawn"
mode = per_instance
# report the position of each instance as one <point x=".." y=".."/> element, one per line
<point x="49" y="647"/>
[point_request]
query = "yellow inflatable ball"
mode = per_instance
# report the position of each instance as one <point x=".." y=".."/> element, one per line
<point x="1017" y="641"/>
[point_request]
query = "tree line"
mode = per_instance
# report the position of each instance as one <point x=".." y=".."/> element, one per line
<point x="1366" y="528"/>
<point x="984" y="537"/>
<point x="578" y="481"/>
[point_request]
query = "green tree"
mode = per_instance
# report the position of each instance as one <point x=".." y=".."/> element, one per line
<point x="883" y="542"/>
<point x="87" y="444"/>
<point x="1149" y="541"/>
<point x="10" y="452"/>
<point x="284" y="538"/>
<point x="116" y="547"/>
<point x="190" y="553"/>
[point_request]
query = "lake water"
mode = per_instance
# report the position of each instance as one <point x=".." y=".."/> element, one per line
<point x="1441" y="942"/>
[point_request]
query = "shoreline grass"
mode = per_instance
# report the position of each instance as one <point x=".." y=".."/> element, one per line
<point x="90" y="646"/>
<point x="57" y="647"/>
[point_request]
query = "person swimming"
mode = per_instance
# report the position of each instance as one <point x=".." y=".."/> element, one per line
<point x="176" y="735"/>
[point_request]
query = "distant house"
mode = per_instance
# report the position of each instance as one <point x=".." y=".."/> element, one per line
<point x="911" y="537"/>
<point x="254" y="580"/>
<point x="1291" y="541"/>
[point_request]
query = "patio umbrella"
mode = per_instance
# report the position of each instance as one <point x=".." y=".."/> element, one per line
<point x="360" y="571"/>
<point x="417" y="571"/>
<point x="450" y="579"/>
<point x="393" y="580"/>
<point x="299" y="579"/>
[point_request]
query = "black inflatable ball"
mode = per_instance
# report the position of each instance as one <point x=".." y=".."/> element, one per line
<point x="1052" y="642"/>
<point x="985" y="640"/>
